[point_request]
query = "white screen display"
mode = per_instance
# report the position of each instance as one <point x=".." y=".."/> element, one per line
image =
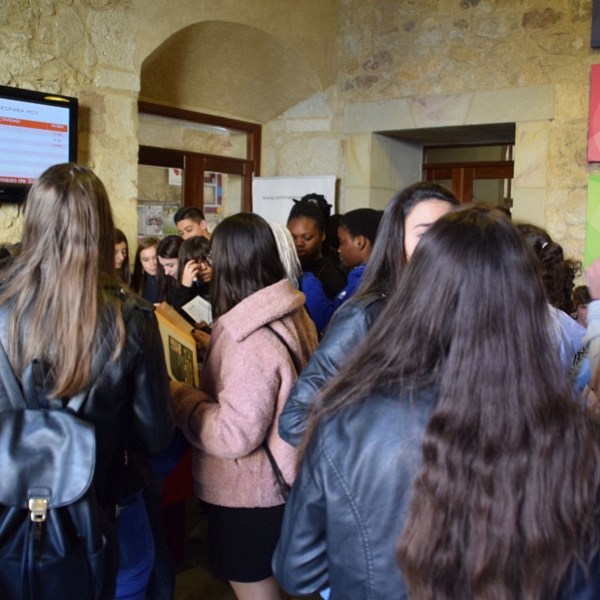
<point x="32" y="138"/>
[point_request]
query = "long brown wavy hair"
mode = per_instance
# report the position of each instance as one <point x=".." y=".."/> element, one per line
<point x="62" y="278"/>
<point x="507" y="493"/>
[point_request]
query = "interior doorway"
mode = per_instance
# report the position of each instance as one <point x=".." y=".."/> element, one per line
<point x="193" y="159"/>
<point x="480" y="173"/>
<point x="475" y="161"/>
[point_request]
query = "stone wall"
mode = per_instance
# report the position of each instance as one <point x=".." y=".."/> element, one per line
<point x="83" y="49"/>
<point x="94" y="50"/>
<point x="388" y="52"/>
<point x="459" y="50"/>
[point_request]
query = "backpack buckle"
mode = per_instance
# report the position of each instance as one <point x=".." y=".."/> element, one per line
<point x="38" y="508"/>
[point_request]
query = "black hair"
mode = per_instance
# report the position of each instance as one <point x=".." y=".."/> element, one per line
<point x="124" y="273"/>
<point x="581" y="295"/>
<point x="315" y="206"/>
<point x="387" y="261"/>
<point x="362" y="221"/>
<point x="192" y="213"/>
<point x="245" y="259"/>
<point x="168" y="248"/>
<point x="137" y="279"/>
<point x="193" y="248"/>
<point x="310" y="210"/>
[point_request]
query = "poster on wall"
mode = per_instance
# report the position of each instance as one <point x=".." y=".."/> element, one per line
<point x="273" y="197"/>
<point x="594" y="116"/>
<point x="156" y="219"/>
<point x="176" y="177"/>
<point x="592" y="224"/>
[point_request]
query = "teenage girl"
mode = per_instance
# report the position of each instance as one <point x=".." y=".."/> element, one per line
<point x="122" y="257"/>
<point x="194" y="274"/>
<point x="167" y="255"/>
<point x="406" y="218"/>
<point x="307" y="225"/>
<point x="450" y="444"/>
<point x="261" y="339"/>
<point x="144" y="280"/>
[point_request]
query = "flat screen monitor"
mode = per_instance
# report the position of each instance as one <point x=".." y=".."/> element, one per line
<point x="37" y="130"/>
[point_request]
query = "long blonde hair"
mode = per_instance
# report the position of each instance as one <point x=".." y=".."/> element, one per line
<point x="56" y="285"/>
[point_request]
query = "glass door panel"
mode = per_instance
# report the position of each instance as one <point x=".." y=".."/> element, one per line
<point x="222" y="196"/>
<point x="160" y="194"/>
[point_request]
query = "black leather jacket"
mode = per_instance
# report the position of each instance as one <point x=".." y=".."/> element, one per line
<point x="348" y="327"/>
<point x="128" y="403"/>
<point x="347" y="506"/>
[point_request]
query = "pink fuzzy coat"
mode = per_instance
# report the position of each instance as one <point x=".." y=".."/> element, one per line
<point x="246" y="379"/>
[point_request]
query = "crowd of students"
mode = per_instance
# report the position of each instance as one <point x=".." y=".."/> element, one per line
<point x="391" y="404"/>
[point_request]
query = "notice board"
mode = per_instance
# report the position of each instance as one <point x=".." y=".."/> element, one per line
<point x="273" y="197"/>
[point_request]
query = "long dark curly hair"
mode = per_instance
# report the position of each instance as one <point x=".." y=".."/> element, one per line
<point x="558" y="272"/>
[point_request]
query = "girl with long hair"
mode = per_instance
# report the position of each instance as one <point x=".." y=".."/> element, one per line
<point x="453" y="437"/>
<point x="122" y="257"/>
<point x="167" y="255"/>
<point x="262" y="336"/>
<point x="144" y="280"/>
<point x="558" y="275"/>
<point x="408" y="215"/>
<point x="62" y="305"/>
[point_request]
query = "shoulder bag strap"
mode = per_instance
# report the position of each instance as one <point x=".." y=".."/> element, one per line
<point x="286" y="346"/>
<point x="284" y="486"/>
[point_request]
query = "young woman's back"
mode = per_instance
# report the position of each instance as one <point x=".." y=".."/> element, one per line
<point x="262" y="337"/>
<point x="351" y="323"/>
<point x="453" y="437"/>
<point x="61" y="305"/>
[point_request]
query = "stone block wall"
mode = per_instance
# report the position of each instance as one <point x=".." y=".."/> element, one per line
<point x="81" y="48"/>
<point x="415" y="62"/>
<point x="428" y="63"/>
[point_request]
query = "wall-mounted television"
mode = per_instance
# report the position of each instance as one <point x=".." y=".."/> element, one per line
<point x="37" y="130"/>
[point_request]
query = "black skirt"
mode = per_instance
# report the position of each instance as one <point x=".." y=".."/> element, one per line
<point x="241" y="541"/>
